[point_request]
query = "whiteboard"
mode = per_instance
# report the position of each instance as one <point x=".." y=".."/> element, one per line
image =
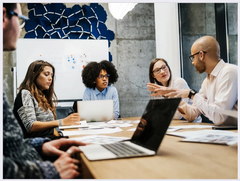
<point x="67" y="56"/>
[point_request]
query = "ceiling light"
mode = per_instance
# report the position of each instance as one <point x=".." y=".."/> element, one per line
<point x="119" y="10"/>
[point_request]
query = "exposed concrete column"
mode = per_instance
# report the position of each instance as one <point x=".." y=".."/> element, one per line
<point x="167" y="35"/>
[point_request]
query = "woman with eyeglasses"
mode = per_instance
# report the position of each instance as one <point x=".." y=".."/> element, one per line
<point x="160" y="74"/>
<point x="98" y="77"/>
<point x="33" y="106"/>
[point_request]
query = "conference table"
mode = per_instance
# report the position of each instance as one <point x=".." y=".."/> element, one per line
<point x="174" y="160"/>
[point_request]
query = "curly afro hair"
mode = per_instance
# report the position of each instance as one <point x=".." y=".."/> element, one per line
<point x="92" y="70"/>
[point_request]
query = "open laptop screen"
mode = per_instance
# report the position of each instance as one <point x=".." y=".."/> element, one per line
<point x="155" y="122"/>
<point x="95" y="110"/>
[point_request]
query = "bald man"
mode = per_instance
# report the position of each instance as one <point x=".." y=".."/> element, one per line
<point x="219" y="90"/>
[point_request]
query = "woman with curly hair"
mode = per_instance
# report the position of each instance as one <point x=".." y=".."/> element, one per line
<point x="98" y="77"/>
<point x="33" y="106"/>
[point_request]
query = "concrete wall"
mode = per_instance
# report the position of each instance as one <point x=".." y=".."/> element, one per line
<point x="135" y="48"/>
<point x="232" y="18"/>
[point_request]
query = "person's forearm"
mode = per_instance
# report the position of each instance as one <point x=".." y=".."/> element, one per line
<point x="207" y="108"/>
<point x="177" y="115"/>
<point x="42" y="126"/>
<point x="189" y="112"/>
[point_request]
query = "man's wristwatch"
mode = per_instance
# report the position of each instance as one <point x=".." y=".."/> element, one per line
<point x="192" y="93"/>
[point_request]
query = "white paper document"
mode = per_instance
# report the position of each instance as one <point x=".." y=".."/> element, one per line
<point x="123" y="121"/>
<point x="191" y="126"/>
<point x="120" y="124"/>
<point x="92" y="131"/>
<point x="99" y="139"/>
<point x="208" y="136"/>
<point x="228" y="139"/>
<point x="190" y="134"/>
<point x="133" y="129"/>
<point x="172" y="129"/>
<point x="83" y="124"/>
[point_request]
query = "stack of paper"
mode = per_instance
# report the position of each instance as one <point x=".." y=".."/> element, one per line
<point x="175" y="128"/>
<point x="99" y="139"/>
<point x="208" y="136"/>
<point x="83" y="124"/>
<point x="92" y="131"/>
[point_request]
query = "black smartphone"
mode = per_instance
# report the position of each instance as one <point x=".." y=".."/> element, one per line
<point x="225" y="127"/>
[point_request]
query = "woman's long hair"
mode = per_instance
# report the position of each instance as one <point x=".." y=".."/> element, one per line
<point x="151" y="78"/>
<point x="44" y="98"/>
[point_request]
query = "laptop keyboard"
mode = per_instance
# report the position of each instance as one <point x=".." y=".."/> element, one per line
<point x="122" y="149"/>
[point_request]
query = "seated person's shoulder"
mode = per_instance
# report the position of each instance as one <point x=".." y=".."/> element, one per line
<point x="179" y="83"/>
<point x="230" y="69"/>
<point x="25" y="92"/>
<point x="26" y="97"/>
<point x="179" y="79"/>
<point x="111" y="87"/>
<point x="88" y="90"/>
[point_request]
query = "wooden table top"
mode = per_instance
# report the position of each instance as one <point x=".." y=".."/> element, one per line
<point x="174" y="160"/>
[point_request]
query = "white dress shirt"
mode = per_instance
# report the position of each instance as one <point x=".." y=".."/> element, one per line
<point x="219" y="91"/>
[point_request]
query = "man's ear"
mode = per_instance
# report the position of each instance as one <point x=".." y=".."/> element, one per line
<point x="202" y="55"/>
<point x="5" y="18"/>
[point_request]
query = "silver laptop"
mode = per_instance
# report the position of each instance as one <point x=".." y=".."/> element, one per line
<point x="97" y="110"/>
<point x="147" y="137"/>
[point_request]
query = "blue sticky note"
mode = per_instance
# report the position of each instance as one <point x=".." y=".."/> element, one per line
<point x="55" y="35"/>
<point x="99" y="10"/>
<point x="30" y="34"/>
<point x="85" y="24"/>
<point x="76" y="8"/>
<point x="31" y="24"/>
<point x="46" y="36"/>
<point x="110" y="56"/>
<point x="32" y="5"/>
<point x="88" y="11"/>
<point x="84" y="36"/>
<point x="39" y="9"/>
<point x="58" y="7"/>
<point x="74" y="35"/>
<point x="40" y="32"/>
<point x="67" y="12"/>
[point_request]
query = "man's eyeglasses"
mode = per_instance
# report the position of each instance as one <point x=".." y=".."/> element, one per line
<point x="158" y="70"/>
<point x="104" y="76"/>
<point x="191" y="57"/>
<point x="22" y="18"/>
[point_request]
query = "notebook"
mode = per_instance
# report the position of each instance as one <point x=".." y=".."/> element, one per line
<point x="147" y="137"/>
<point x="95" y="110"/>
